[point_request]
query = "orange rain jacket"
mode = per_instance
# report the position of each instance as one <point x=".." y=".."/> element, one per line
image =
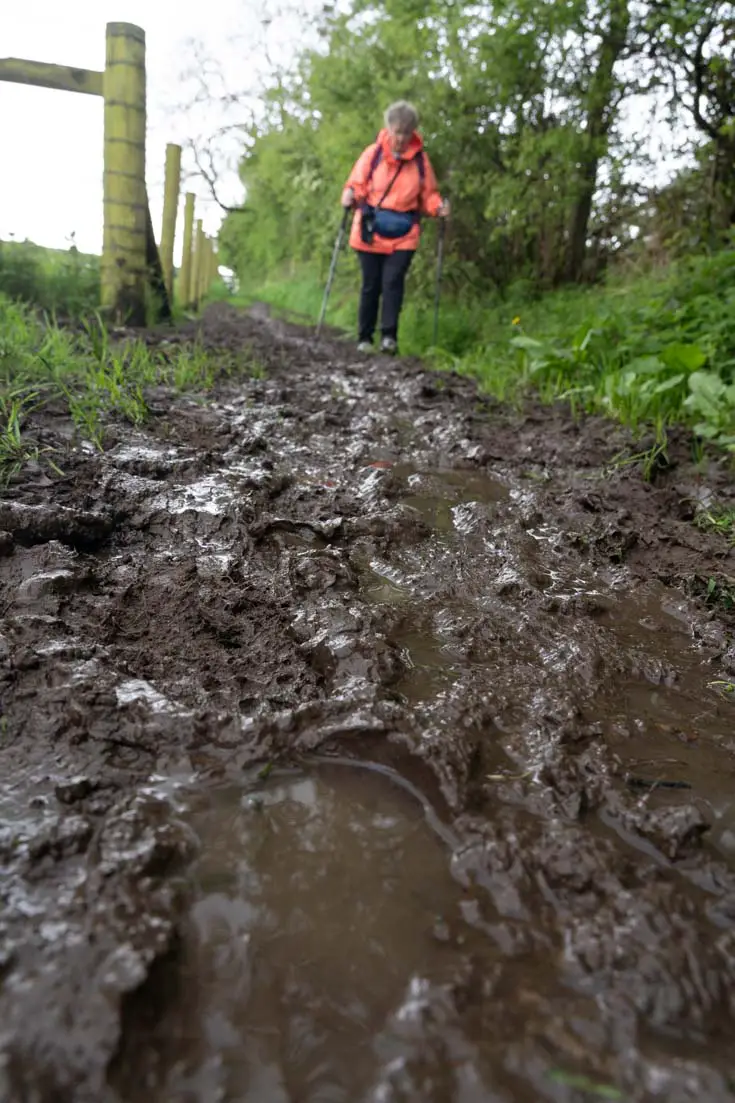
<point x="407" y="194"/>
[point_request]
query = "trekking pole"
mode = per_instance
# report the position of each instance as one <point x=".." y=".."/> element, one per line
<point x="332" y="268"/>
<point x="439" y="273"/>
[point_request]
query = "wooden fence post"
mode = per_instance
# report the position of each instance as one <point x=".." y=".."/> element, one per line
<point x="185" y="294"/>
<point x="196" y="272"/>
<point x="203" y="264"/>
<point x="124" y="275"/>
<point x="208" y="274"/>
<point x="170" y="210"/>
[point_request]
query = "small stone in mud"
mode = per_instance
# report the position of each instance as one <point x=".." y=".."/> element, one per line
<point x="440" y="930"/>
<point x="69" y="836"/>
<point x="44" y="585"/>
<point x="77" y="788"/>
<point x="675" y="831"/>
<point x="728" y="660"/>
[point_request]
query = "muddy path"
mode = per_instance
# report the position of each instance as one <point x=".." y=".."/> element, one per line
<point x="363" y="741"/>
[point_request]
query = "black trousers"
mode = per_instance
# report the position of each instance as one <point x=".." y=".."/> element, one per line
<point x="382" y="274"/>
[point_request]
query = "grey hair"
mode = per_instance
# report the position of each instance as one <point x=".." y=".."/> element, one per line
<point x="402" y="114"/>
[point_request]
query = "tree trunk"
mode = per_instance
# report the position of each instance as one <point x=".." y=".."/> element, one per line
<point x="599" y="118"/>
<point x="724" y="185"/>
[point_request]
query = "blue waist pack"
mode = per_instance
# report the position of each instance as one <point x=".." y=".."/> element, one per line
<point x="377" y="220"/>
<point x="393" y="223"/>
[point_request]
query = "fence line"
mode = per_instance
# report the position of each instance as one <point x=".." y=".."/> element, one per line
<point x="133" y="265"/>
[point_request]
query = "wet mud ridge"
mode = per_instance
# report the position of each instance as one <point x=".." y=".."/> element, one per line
<point x="363" y="741"/>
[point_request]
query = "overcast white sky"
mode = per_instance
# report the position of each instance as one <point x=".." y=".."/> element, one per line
<point x="51" y="142"/>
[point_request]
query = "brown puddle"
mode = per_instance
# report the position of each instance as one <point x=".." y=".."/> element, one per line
<point x="666" y="711"/>
<point x="437" y="493"/>
<point x="323" y="900"/>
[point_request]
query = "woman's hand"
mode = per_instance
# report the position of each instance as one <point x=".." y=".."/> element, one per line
<point x="445" y="209"/>
<point x="348" y="198"/>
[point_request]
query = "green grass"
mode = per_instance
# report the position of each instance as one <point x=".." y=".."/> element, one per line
<point x="95" y="378"/>
<point x="717" y="519"/>
<point x="66" y="283"/>
<point x="648" y="351"/>
<point x="58" y="281"/>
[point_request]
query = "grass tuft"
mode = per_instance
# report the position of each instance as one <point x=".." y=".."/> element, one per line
<point x="95" y="378"/>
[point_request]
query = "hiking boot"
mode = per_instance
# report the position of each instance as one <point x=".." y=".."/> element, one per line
<point x="365" y="346"/>
<point x="388" y="346"/>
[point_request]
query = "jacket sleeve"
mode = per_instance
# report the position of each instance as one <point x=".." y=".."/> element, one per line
<point x="357" y="178"/>
<point x="431" y="200"/>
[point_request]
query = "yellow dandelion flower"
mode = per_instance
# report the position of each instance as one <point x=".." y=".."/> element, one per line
<point x="516" y="321"/>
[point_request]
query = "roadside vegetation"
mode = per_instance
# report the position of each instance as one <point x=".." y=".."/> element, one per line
<point x="649" y="350"/>
<point x="63" y="282"/>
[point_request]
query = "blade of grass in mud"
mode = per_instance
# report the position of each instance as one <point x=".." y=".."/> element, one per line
<point x="716" y="519"/>
<point x="585" y="1084"/>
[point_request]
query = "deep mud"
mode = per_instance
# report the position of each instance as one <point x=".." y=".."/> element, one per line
<point x="363" y="741"/>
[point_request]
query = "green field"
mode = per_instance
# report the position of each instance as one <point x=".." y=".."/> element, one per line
<point x="63" y="282"/>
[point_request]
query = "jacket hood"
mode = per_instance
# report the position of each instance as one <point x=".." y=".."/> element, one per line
<point x="414" y="146"/>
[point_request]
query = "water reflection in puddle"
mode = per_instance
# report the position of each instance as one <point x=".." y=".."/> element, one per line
<point x="320" y="900"/>
<point x="665" y="693"/>
<point x="431" y="667"/>
<point x="436" y="494"/>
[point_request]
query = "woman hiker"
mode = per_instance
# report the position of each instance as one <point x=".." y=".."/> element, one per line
<point x="391" y="185"/>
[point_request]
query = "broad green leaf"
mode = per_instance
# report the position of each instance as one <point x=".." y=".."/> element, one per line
<point x="521" y="341"/>
<point x="687" y="358"/>
<point x="540" y="365"/>
<point x="729" y="395"/>
<point x="645" y="365"/>
<point x="707" y="430"/>
<point x="669" y="384"/>
<point x="707" y="385"/>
